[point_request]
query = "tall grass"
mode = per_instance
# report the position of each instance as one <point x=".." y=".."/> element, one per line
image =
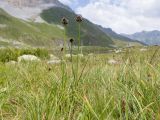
<point x="126" y="91"/>
<point x="87" y="88"/>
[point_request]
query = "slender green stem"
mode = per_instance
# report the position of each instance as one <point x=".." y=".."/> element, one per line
<point x="63" y="65"/>
<point x="65" y="47"/>
<point x="79" y="38"/>
<point x="71" y="52"/>
<point x="79" y="27"/>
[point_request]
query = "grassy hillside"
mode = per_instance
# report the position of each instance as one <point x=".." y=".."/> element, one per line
<point x="91" y="35"/>
<point x="34" y="34"/>
<point x="16" y="32"/>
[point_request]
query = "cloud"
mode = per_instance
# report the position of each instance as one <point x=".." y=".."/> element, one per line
<point x="123" y="16"/>
<point x="68" y="2"/>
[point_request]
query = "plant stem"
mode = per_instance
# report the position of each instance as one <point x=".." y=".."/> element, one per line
<point x="65" y="41"/>
<point x="63" y="65"/>
<point x="79" y="37"/>
<point x="71" y="52"/>
<point x="79" y="27"/>
<point x="76" y="77"/>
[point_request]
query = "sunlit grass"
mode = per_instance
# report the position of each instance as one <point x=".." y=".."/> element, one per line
<point x="129" y="90"/>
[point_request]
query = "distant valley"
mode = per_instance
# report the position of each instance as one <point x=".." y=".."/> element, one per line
<point x="37" y="23"/>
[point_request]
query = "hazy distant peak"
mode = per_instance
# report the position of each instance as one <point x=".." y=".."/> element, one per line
<point x="148" y="37"/>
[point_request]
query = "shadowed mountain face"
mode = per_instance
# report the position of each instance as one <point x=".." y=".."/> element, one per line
<point x="91" y="35"/>
<point x="113" y="34"/>
<point x="148" y="37"/>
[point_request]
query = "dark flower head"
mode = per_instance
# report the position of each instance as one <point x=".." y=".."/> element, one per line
<point x="64" y="21"/>
<point x="49" y="69"/>
<point x="62" y="49"/>
<point x="71" y="40"/>
<point x="79" y="18"/>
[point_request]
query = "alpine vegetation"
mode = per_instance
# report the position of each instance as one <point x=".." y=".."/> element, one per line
<point x="79" y="72"/>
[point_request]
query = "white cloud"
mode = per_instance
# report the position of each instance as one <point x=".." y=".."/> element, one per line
<point x="123" y="16"/>
<point x="68" y="2"/>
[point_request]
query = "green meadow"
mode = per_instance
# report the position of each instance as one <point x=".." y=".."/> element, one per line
<point x="86" y="88"/>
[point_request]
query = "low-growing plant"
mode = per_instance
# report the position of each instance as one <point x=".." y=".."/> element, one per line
<point x="9" y="54"/>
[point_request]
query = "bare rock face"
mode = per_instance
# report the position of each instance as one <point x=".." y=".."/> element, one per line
<point x="31" y="3"/>
<point x="29" y="9"/>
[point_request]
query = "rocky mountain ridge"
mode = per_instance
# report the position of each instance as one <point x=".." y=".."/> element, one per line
<point x="147" y="37"/>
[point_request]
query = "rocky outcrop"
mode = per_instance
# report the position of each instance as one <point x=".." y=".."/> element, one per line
<point x="31" y="3"/>
<point x="28" y="58"/>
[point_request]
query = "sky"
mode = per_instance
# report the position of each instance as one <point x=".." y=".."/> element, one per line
<point x="123" y="16"/>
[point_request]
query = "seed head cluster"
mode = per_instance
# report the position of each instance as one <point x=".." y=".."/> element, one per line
<point x="79" y="18"/>
<point x="71" y="40"/>
<point x="62" y="49"/>
<point x="64" y="21"/>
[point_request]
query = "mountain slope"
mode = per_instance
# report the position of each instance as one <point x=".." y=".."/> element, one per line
<point x="91" y="35"/>
<point x="29" y="9"/>
<point x="29" y="33"/>
<point x="110" y="32"/>
<point x="49" y="33"/>
<point x="120" y="40"/>
<point x="148" y="37"/>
